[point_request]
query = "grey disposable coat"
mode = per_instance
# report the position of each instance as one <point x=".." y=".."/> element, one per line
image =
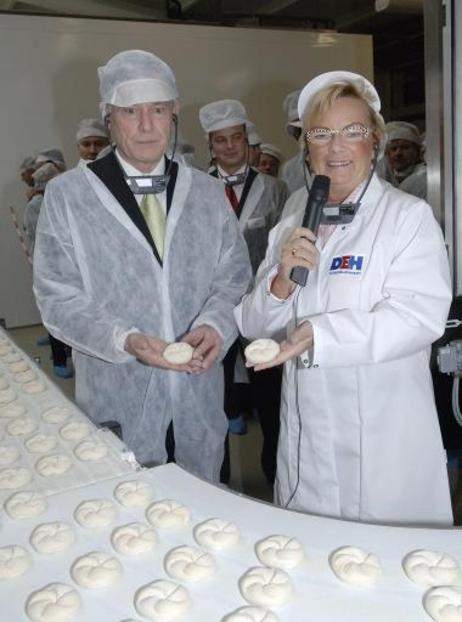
<point x="96" y="276"/>
<point x="292" y="172"/>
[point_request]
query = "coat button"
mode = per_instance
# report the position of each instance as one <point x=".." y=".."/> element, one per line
<point x="315" y="365"/>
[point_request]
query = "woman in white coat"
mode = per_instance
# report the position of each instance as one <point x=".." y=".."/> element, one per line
<point x="360" y="438"/>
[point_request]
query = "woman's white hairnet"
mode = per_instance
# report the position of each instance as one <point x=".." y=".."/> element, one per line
<point x="253" y="136"/>
<point x="43" y="175"/>
<point x="91" y="127"/>
<point x="272" y="151"/>
<point x="289" y="105"/>
<point x="221" y="114"/>
<point x="402" y="130"/>
<point x="135" y="77"/>
<point x="51" y="155"/>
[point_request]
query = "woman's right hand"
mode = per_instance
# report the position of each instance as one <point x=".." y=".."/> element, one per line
<point x="299" y="250"/>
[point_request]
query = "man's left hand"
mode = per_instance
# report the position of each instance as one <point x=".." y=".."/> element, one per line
<point x="207" y="345"/>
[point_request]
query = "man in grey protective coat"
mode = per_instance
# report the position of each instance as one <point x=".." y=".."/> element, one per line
<point x="136" y="251"/>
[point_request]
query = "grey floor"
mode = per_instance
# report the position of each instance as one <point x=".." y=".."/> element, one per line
<point x="246" y="476"/>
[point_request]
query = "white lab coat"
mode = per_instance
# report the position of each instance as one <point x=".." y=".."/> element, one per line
<point x="370" y="444"/>
<point x="96" y="277"/>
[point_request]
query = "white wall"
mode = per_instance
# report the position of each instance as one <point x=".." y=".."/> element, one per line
<point x="48" y="83"/>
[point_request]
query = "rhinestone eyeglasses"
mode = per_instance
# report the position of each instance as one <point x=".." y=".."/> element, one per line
<point x="354" y="133"/>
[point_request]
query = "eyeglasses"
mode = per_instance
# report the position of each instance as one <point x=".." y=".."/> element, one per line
<point x="354" y="133"/>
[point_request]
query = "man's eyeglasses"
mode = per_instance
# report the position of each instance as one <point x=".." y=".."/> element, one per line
<point x="354" y="133"/>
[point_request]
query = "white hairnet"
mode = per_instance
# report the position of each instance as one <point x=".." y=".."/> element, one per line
<point x="90" y="127"/>
<point x="272" y="151"/>
<point x="289" y="105"/>
<point x="135" y="77"/>
<point x="401" y="130"/>
<point x="43" y="175"/>
<point x="253" y="136"/>
<point x="27" y="163"/>
<point x="221" y="114"/>
<point x="51" y="155"/>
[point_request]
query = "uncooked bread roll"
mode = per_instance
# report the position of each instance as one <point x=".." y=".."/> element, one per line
<point x="5" y="349"/>
<point x="51" y="538"/>
<point x="21" y="426"/>
<point x="7" y="396"/>
<point x="178" y="353"/>
<point x="14" y="478"/>
<point x="74" y="431"/>
<point x="355" y="566"/>
<point x="53" y="465"/>
<point x="8" y="454"/>
<point x="168" y="514"/>
<point x="431" y="568"/>
<point x="14" y="561"/>
<point x="261" y="351"/>
<point x="96" y="570"/>
<point x="444" y="603"/>
<point x="40" y="443"/>
<point x="33" y="387"/>
<point x="18" y="366"/>
<point x="133" y="494"/>
<point x="4" y="384"/>
<point x="280" y="552"/>
<point x="95" y="513"/>
<point x="189" y="564"/>
<point x="14" y="409"/>
<point x="216" y="534"/>
<point x="25" y="376"/>
<point x="251" y="614"/>
<point x="91" y="451"/>
<point x="162" y="601"/>
<point x="133" y="539"/>
<point x="12" y="357"/>
<point x="266" y="587"/>
<point x="56" y="602"/>
<point x="57" y="414"/>
<point x="26" y="504"/>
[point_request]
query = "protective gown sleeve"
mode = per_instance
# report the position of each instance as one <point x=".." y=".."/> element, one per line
<point x="68" y="309"/>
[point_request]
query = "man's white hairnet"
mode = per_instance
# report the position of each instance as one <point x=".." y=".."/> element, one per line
<point x="90" y="127"/>
<point x="51" y="155"/>
<point x="401" y="130"/>
<point x="27" y="163"/>
<point x="253" y="136"/>
<point x="272" y="151"/>
<point x="43" y="175"/>
<point x="289" y="105"/>
<point x="135" y="77"/>
<point x="221" y="114"/>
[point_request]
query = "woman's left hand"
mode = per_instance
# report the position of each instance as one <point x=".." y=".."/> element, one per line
<point x="298" y="342"/>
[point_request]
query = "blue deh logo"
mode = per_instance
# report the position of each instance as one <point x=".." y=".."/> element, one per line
<point x="351" y="264"/>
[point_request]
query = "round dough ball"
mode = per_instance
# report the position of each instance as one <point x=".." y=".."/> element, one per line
<point x="217" y="534"/>
<point x="189" y="564"/>
<point x="26" y="504"/>
<point x="14" y="409"/>
<point x="133" y="494"/>
<point x="21" y="426"/>
<point x="178" y="353"/>
<point x="31" y="388"/>
<point x="251" y="614"/>
<point x="14" y="478"/>
<point x="18" y="367"/>
<point x="53" y="465"/>
<point x="51" y="538"/>
<point x="40" y="443"/>
<point x="266" y="587"/>
<point x="354" y="566"/>
<point x="168" y="514"/>
<point x="162" y="601"/>
<point x="74" y="431"/>
<point x="4" y="384"/>
<point x="14" y="561"/>
<point x="280" y="552"/>
<point x="444" y="603"/>
<point x="57" y="414"/>
<point x="7" y="396"/>
<point x="95" y="513"/>
<point x="56" y="602"/>
<point x="431" y="568"/>
<point x="12" y="357"/>
<point x="25" y="376"/>
<point x="5" y="349"/>
<point x="261" y="351"/>
<point x="133" y="539"/>
<point x="91" y="451"/>
<point x="8" y="454"/>
<point x="96" y="570"/>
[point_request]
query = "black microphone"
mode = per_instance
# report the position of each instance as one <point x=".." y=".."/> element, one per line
<point x="317" y="198"/>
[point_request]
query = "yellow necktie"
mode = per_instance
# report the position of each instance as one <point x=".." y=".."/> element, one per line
<point x="155" y="219"/>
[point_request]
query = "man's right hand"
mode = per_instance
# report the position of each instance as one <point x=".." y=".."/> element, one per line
<point x="149" y="349"/>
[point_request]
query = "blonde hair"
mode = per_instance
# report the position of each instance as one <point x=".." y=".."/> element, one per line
<point x="326" y="97"/>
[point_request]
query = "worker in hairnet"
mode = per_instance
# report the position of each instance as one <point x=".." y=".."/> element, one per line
<point x="270" y="159"/>
<point x="135" y="251"/>
<point x="92" y="136"/>
<point x="53" y="155"/>
<point x="257" y="201"/>
<point x="402" y="149"/>
<point x="416" y="182"/>
<point x="295" y="171"/>
<point x="254" y="141"/>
